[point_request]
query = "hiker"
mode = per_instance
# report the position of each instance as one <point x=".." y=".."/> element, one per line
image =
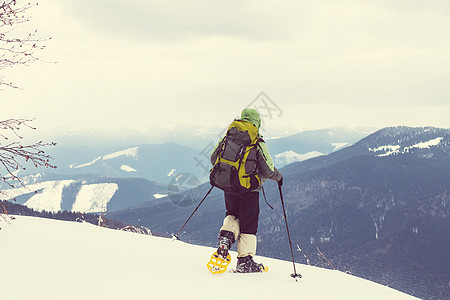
<point x="242" y="209"/>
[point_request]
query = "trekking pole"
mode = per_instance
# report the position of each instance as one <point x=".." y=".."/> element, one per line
<point x="175" y="237"/>
<point x="295" y="274"/>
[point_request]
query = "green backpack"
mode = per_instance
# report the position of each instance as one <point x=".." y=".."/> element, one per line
<point x="235" y="169"/>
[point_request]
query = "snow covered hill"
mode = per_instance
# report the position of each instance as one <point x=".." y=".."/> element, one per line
<point x="83" y="194"/>
<point x="48" y="259"/>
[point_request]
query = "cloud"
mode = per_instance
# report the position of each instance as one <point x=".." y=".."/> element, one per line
<point x="172" y="19"/>
<point x="150" y="62"/>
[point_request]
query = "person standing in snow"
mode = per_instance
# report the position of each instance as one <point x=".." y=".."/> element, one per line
<point x="242" y="211"/>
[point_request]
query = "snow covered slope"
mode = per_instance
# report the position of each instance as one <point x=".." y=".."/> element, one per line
<point x="88" y="194"/>
<point x="49" y="195"/>
<point x="48" y="198"/>
<point x="288" y="157"/>
<point x="48" y="259"/>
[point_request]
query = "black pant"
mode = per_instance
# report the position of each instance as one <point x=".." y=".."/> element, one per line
<point x="246" y="208"/>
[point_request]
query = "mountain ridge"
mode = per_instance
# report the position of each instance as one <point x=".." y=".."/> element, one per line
<point x="348" y="202"/>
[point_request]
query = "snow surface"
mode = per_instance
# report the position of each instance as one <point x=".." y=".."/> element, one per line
<point x="171" y="172"/>
<point x="87" y="164"/>
<point x="48" y="196"/>
<point x="428" y="144"/>
<point x="290" y="156"/>
<point x="158" y="196"/>
<point x="48" y="259"/>
<point x="129" y="152"/>
<point x="127" y="168"/>
<point x="15" y="173"/>
<point x="389" y="149"/>
<point x="32" y="178"/>
<point x="94" y="197"/>
<point x="338" y="146"/>
<point x="90" y="197"/>
<point x="396" y="149"/>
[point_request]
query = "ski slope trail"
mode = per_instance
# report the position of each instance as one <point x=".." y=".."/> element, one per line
<point x="49" y="259"/>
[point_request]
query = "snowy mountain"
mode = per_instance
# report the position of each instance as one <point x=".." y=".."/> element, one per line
<point x="153" y="154"/>
<point x="420" y="142"/>
<point x="289" y="157"/>
<point x="88" y="194"/>
<point x="312" y="143"/>
<point x="48" y="259"/>
<point x="85" y="160"/>
<point x="152" y="162"/>
<point x="380" y="208"/>
<point x="423" y="142"/>
<point x="382" y="217"/>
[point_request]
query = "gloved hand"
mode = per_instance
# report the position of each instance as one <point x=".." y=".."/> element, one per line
<point x="280" y="182"/>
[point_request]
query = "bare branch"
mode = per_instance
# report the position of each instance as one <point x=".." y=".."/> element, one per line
<point x="14" y="155"/>
<point x="325" y="261"/>
<point x="14" y="125"/>
<point x="16" y="50"/>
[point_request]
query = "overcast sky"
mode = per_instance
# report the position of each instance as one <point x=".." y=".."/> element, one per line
<point x="146" y="63"/>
